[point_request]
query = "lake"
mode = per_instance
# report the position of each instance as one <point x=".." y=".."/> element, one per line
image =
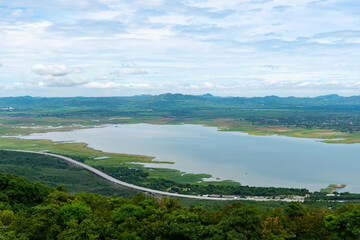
<point x="252" y="160"/>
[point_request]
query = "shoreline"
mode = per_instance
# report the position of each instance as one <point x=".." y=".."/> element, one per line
<point x="140" y="159"/>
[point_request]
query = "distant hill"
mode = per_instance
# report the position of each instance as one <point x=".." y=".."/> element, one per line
<point x="185" y="101"/>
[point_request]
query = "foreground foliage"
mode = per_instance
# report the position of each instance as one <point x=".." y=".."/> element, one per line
<point x="34" y="211"/>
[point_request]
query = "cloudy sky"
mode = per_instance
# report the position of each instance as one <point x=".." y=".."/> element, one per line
<point x="223" y="47"/>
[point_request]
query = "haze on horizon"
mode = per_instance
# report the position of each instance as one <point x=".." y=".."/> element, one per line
<point x="222" y="47"/>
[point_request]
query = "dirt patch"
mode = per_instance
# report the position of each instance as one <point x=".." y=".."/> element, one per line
<point x="120" y="118"/>
<point x="326" y="133"/>
<point x="165" y="120"/>
<point x="221" y="120"/>
<point x="276" y="129"/>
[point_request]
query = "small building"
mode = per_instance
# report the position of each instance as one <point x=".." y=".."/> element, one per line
<point x="330" y="195"/>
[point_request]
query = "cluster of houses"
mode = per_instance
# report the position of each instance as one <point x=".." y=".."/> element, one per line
<point x="260" y="198"/>
<point x="7" y="108"/>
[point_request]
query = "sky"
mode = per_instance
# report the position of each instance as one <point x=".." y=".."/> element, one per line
<point x="223" y="47"/>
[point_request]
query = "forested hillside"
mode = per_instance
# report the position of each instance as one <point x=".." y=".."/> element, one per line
<point x="34" y="211"/>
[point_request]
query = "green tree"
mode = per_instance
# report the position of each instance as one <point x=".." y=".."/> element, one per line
<point x="345" y="223"/>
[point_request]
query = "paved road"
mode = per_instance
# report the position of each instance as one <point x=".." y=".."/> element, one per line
<point x="121" y="183"/>
<point x="148" y="190"/>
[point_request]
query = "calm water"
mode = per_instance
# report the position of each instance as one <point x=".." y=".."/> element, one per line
<point x="251" y="160"/>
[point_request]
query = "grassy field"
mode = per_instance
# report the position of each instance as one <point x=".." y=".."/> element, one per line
<point x="231" y="125"/>
<point x="333" y="188"/>
<point x="80" y="151"/>
<point x="326" y="135"/>
<point x="74" y="149"/>
<point x="11" y="126"/>
<point x="176" y="176"/>
<point x="235" y="125"/>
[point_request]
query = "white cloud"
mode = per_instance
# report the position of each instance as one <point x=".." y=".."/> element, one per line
<point x="214" y="5"/>
<point x="133" y="71"/>
<point x="165" y="85"/>
<point x="340" y="37"/>
<point x="208" y="85"/>
<point x="314" y="84"/>
<point x="175" y="19"/>
<point x="122" y="15"/>
<point x="269" y="67"/>
<point x="31" y="26"/>
<point x="72" y="3"/>
<point x="102" y="78"/>
<point x="140" y="85"/>
<point x="55" y="70"/>
<point x="21" y="13"/>
<point x="115" y="85"/>
<point x="150" y="2"/>
<point x="54" y="82"/>
<point x="190" y="45"/>
<point x="102" y="85"/>
<point x="147" y="34"/>
<point x="32" y="36"/>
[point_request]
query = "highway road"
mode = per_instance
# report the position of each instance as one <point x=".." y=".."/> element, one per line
<point x="146" y="190"/>
<point x="121" y="183"/>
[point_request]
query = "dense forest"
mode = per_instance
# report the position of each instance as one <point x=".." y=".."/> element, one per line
<point x="33" y="211"/>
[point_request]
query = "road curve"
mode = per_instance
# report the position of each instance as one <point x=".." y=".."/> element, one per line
<point x="124" y="184"/>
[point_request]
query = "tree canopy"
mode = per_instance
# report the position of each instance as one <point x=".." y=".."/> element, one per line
<point x="33" y="211"/>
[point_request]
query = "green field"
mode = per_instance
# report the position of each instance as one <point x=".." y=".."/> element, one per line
<point x="333" y="118"/>
<point x="80" y="151"/>
<point x="25" y="126"/>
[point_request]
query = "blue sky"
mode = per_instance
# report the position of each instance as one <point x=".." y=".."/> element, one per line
<point x="223" y="47"/>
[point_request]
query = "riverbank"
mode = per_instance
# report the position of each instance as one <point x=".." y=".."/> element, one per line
<point x="10" y="126"/>
<point x="163" y="193"/>
<point x="251" y="160"/>
<point x="109" y="159"/>
<point x="91" y="156"/>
